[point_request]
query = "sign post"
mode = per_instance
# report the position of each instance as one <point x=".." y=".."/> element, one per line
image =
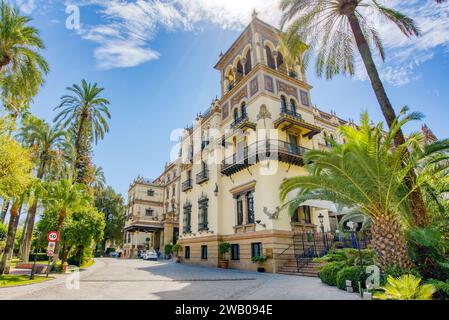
<point x="52" y="238"/>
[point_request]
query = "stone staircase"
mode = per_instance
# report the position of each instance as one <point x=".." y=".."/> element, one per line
<point x="307" y="267"/>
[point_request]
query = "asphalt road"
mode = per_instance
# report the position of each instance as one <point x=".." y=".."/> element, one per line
<point x="113" y="279"/>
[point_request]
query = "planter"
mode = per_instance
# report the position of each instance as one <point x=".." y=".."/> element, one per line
<point x="223" y="264"/>
<point x="261" y="269"/>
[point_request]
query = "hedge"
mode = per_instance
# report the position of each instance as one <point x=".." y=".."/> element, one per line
<point x="355" y="274"/>
<point x="328" y="274"/>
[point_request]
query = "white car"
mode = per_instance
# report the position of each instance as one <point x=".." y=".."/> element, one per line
<point x="150" y="255"/>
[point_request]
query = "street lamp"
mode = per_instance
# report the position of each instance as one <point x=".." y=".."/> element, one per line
<point x="321" y="218"/>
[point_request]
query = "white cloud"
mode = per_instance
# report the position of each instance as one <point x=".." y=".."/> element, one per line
<point x="126" y="29"/>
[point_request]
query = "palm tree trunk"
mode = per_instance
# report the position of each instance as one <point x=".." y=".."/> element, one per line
<point x="14" y="213"/>
<point x="28" y="232"/>
<point x="389" y="242"/>
<point x="416" y="200"/>
<point x="61" y="219"/>
<point x="31" y="217"/>
<point x="4" y="211"/>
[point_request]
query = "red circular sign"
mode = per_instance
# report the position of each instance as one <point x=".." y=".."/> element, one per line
<point x="50" y="253"/>
<point x="53" y="236"/>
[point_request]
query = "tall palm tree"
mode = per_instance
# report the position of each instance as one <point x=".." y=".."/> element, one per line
<point x="21" y="65"/>
<point x="294" y="51"/>
<point x="48" y="141"/>
<point x="366" y="173"/>
<point x="99" y="178"/>
<point x="85" y="111"/>
<point x="335" y="28"/>
<point x="64" y="198"/>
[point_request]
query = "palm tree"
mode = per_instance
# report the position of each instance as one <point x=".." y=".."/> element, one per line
<point x="21" y="65"/>
<point x="85" y="111"/>
<point x="64" y="198"/>
<point x="335" y="28"/>
<point x="47" y="142"/>
<point x="366" y="173"/>
<point x="294" y="51"/>
<point x="12" y="228"/>
<point x="99" y="178"/>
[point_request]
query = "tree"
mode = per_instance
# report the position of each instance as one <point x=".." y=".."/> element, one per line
<point x="294" y="51"/>
<point x="366" y="173"/>
<point x="64" y="198"/>
<point x="112" y="206"/>
<point x="21" y="65"/>
<point x="46" y="142"/>
<point x="335" y="27"/>
<point x="99" y="178"/>
<point x="85" y="111"/>
<point x="15" y="165"/>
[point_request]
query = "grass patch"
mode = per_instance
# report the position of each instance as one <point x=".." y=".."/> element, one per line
<point x="19" y="280"/>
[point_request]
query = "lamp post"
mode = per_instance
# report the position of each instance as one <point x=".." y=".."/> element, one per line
<point x="321" y="218"/>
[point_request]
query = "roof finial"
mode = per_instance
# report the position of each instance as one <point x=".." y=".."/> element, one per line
<point x="255" y="14"/>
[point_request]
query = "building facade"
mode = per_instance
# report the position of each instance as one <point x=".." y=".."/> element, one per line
<point x="237" y="154"/>
<point x="153" y="212"/>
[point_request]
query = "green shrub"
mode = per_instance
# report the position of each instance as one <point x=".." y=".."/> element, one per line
<point x="176" y="248"/>
<point x="406" y="287"/>
<point x="442" y="288"/>
<point x="168" y="249"/>
<point x="328" y="274"/>
<point x="353" y="273"/>
<point x="351" y="257"/>
<point x="3" y="231"/>
<point x="224" y="248"/>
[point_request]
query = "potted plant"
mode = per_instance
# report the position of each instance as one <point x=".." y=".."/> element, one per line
<point x="223" y="249"/>
<point x="168" y="250"/>
<point x="260" y="260"/>
<point x="175" y="250"/>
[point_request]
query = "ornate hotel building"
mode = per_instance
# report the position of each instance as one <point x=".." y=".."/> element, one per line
<point x="237" y="154"/>
<point x="153" y="212"/>
<point x="233" y="159"/>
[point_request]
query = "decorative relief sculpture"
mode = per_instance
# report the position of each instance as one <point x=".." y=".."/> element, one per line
<point x="288" y="89"/>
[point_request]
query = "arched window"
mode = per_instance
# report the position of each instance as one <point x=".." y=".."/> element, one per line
<point x="243" y="109"/>
<point x="293" y="106"/>
<point x="248" y="65"/>
<point x="270" y="59"/>
<point x="250" y="204"/>
<point x="239" y="74"/>
<point x="283" y="103"/>
<point x="280" y="60"/>
<point x="236" y="114"/>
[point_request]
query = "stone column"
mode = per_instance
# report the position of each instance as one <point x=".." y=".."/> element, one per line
<point x="168" y="232"/>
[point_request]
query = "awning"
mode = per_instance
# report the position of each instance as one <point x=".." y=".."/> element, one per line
<point x="144" y="228"/>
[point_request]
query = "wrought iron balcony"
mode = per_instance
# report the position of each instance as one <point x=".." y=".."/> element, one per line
<point x="187" y="185"/>
<point x="239" y="120"/>
<point x="203" y="226"/>
<point x="202" y="177"/>
<point x="186" y="229"/>
<point x="276" y="150"/>
<point x="291" y="112"/>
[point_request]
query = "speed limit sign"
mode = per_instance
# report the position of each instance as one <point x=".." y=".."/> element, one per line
<point x="53" y="236"/>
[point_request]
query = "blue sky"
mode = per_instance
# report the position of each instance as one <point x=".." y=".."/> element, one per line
<point x="155" y="59"/>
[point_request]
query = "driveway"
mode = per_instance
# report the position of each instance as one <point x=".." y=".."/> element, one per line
<point x="112" y="279"/>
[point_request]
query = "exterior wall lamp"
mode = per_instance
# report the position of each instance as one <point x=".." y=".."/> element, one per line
<point x="216" y="190"/>
<point x="259" y="222"/>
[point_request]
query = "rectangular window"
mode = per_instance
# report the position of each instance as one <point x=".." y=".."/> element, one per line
<point x="187" y="252"/>
<point x="150" y="193"/>
<point x="149" y="212"/>
<point x="239" y="211"/>
<point x="250" y="203"/>
<point x="235" y="252"/>
<point x="204" y="252"/>
<point x="256" y="250"/>
<point x="307" y="214"/>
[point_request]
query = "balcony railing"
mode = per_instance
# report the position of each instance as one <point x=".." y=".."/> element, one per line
<point x="187" y="185"/>
<point x="202" y="177"/>
<point x="186" y="229"/>
<point x="203" y="226"/>
<point x="263" y="150"/>
<point x="239" y="120"/>
<point x="290" y="112"/>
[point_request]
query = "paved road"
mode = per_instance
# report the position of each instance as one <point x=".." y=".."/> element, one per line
<point x="137" y="279"/>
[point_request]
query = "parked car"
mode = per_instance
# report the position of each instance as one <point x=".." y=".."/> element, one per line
<point x="151" y="255"/>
